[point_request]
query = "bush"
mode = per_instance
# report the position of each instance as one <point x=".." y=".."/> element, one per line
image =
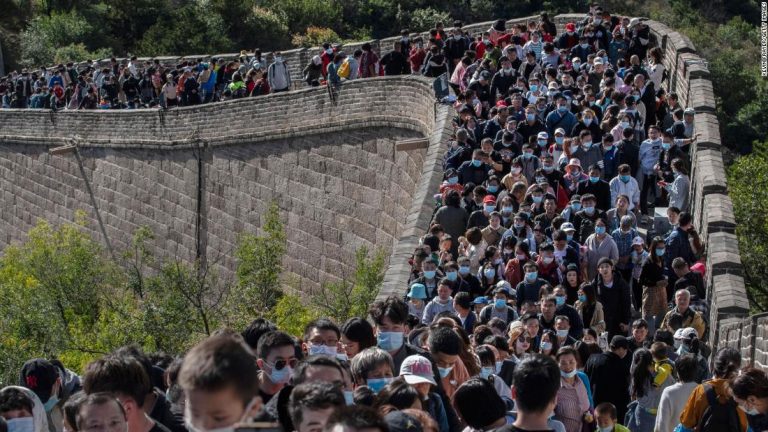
<point x="748" y="186"/>
<point x="425" y="19"/>
<point x="45" y="34"/>
<point x="315" y="36"/>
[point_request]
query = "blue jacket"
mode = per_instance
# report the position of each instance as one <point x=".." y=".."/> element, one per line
<point x="555" y="120"/>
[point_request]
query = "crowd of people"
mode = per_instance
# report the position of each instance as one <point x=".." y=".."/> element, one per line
<point x="541" y="299"/>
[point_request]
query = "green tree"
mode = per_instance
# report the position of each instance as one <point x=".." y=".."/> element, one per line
<point x="315" y="36"/>
<point x="351" y="298"/>
<point x="190" y="29"/>
<point x="748" y="188"/>
<point x="46" y="34"/>
<point x="259" y="264"/>
<point x="425" y="19"/>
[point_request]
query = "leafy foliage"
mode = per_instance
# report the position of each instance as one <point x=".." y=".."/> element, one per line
<point x="748" y="184"/>
<point x="315" y="36"/>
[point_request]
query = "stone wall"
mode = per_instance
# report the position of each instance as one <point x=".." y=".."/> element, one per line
<point x="200" y="176"/>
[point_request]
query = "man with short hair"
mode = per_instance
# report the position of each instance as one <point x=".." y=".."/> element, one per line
<point x="499" y="308"/>
<point x="445" y="347"/>
<point x="562" y="328"/>
<point x="443" y="302"/>
<point x="278" y="75"/>
<point x="311" y="404"/>
<point x="639" y="335"/>
<point x="102" y="412"/>
<point x="127" y="380"/>
<point x="529" y="288"/>
<point x="575" y="324"/>
<point x="684" y="314"/>
<point x="535" y="384"/>
<point x="608" y="374"/>
<point x="321" y="337"/>
<point x="625" y="184"/>
<point x="356" y="419"/>
<point x="276" y="358"/>
<point x="687" y="279"/>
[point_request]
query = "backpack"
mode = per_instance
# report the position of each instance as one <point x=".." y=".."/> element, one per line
<point x="344" y="70"/>
<point x="718" y="417"/>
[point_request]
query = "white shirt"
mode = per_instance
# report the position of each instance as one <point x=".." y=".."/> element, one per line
<point x="673" y="400"/>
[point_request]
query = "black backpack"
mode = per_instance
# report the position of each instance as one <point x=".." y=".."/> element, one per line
<point x="718" y="417"/>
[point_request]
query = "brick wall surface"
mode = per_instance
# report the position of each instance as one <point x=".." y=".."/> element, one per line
<point x="331" y="166"/>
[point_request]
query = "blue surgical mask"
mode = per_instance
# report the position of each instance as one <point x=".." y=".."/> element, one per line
<point x="534" y="87"/>
<point x="562" y="109"/>
<point x="453" y="180"/>
<point x="559" y="300"/>
<point x="476" y="163"/>
<point x="507" y="209"/>
<point x="586" y="144"/>
<point x="570" y="374"/>
<point x="587" y="120"/>
<point x="489" y="273"/>
<point x="349" y="397"/>
<point x="322" y="350"/>
<point x="493" y="189"/>
<point x="444" y="372"/>
<point x="464" y="270"/>
<point x="498" y="366"/>
<point x="589" y="210"/>
<point x="546" y="346"/>
<point x="52" y="401"/>
<point x="390" y="341"/>
<point x="576" y="206"/>
<point x="594" y="179"/>
<point x="451" y="275"/>
<point x="500" y="303"/>
<point x="530" y="117"/>
<point x="609" y="148"/>
<point x="281" y="376"/>
<point x="549" y="168"/>
<point x="624" y="124"/>
<point x="531" y="276"/>
<point x="23" y="424"/>
<point x="542" y="142"/>
<point x="486" y="372"/>
<point x="489" y="208"/>
<point x="582" y="298"/>
<point x="376" y="384"/>
<point x="666" y="146"/>
<point x="569" y="237"/>
<point x="624" y="178"/>
<point x="430" y="274"/>
<point x="537" y="199"/>
<point x="559" y="140"/>
<point x="659" y="251"/>
<point x="605" y="429"/>
<point x="599" y="230"/>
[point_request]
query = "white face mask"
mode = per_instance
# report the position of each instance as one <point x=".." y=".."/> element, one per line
<point x="192" y="428"/>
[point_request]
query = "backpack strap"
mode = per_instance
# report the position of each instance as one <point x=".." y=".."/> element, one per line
<point x="709" y="391"/>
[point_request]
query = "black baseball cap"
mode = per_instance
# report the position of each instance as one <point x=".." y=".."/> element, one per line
<point x="39" y="375"/>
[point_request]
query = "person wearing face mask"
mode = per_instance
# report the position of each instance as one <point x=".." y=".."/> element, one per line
<point x="650" y="151"/>
<point x="573" y="405"/>
<point x="750" y="392"/>
<point x="499" y="308"/>
<point x="586" y="219"/>
<point x="674" y="397"/>
<point x="276" y="358"/>
<point x="654" y="283"/>
<point x="528" y="160"/>
<point x="430" y="274"/>
<point x="278" y="75"/>
<point x="683" y="242"/>
<point x="532" y="124"/>
<point x="561" y="117"/>
<point x="726" y="363"/>
<point x="569" y="38"/>
<point x="481" y="218"/>
<point x="503" y="79"/>
<point x="417" y="297"/>
<point x="475" y="170"/>
<point x="530" y="287"/>
<point x="493" y="233"/>
<point x="597" y="187"/>
<point x="22" y="410"/>
<point x="443" y="302"/>
<point x="42" y="377"/>
<point x="573" y="178"/>
<point x="678" y="189"/>
<point x="588" y="121"/>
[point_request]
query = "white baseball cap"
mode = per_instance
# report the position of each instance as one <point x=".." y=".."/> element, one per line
<point x="417" y="369"/>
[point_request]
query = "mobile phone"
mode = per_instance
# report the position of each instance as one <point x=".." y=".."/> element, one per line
<point x="259" y="427"/>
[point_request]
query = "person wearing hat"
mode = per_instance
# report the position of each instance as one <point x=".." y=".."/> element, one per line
<point x="481" y="218"/>
<point x="417" y="297"/>
<point x="574" y="206"/>
<point x="569" y="38"/>
<point x="608" y="374"/>
<point x="450" y="182"/>
<point x="499" y="308"/>
<point x="417" y="371"/>
<point x="639" y="39"/>
<point x="497" y="30"/>
<point x="42" y="377"/>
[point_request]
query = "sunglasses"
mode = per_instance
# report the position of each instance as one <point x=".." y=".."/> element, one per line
<point x="280" y="364"/>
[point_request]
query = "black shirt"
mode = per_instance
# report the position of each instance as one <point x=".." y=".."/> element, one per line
<point x="513" y="428"/>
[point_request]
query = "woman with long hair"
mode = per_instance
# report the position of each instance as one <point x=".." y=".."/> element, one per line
<point x="646" y="396"/>
<point x="654" y="283"/>
<point x="590" y="309"/>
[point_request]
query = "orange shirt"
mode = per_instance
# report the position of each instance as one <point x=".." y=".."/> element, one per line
<point x="697" y="404"/>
